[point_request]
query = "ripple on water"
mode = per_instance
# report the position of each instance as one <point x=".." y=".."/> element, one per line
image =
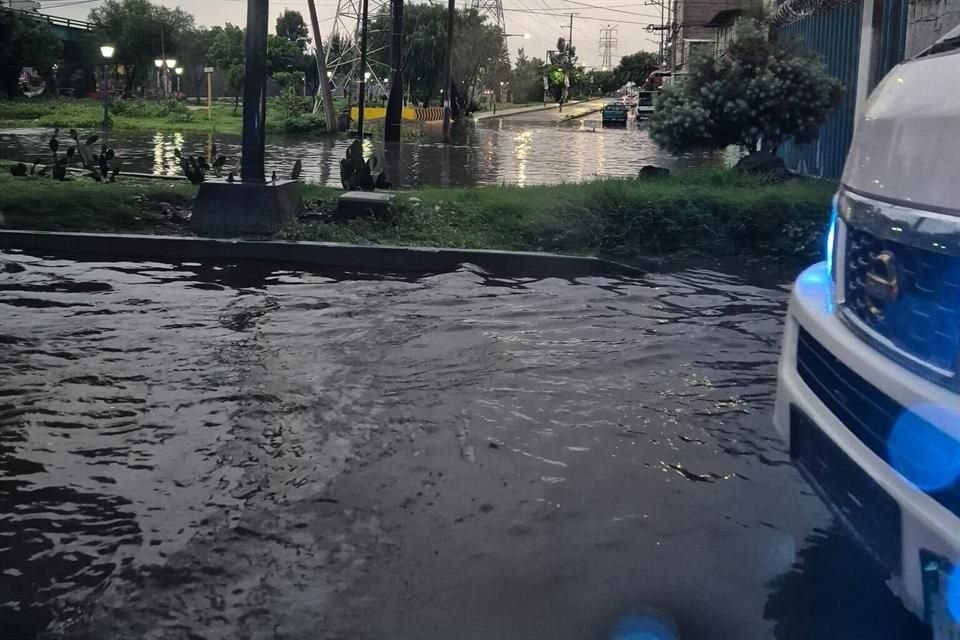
<point x="174" y="427"/>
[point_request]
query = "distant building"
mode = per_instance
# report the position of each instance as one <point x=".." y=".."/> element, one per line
<point x="723" y="24"/>
<point x="693" y="31"/>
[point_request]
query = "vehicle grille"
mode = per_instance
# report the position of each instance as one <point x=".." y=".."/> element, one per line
<point x="870" y="514"/>
<point x="865" y="411"/>
<point x="924" y="320"/>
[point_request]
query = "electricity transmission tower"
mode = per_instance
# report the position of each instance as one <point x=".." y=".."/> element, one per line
<point x="608" y="45"/>
<point x="492" y="8"/>
<point x="343" y="44"/>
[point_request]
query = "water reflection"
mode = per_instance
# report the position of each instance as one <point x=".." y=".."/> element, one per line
<point x="835" y="591"/>
<point x="165" y="162"/>
<point x="483" y="153"/>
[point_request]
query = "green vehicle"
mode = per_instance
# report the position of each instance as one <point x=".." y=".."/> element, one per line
<point x="615" y="114"/>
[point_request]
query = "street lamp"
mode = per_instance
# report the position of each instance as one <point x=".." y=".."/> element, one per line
<point x="107" y="52"/>
<point x="158" y="63"/>
<point x="167" y="85"/>
<point x="179" y="72"/>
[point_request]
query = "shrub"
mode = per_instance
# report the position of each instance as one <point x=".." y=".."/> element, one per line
<point x="757" y="91"/>
<point x="299" y="124"/>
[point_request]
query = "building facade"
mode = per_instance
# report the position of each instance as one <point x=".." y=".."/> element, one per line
<point x="859" y="41"/>
<point x="692" y="30"/>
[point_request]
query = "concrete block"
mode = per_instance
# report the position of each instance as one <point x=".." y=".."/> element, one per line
<point x="245" y="208"/>
<point x="360" y="204"/>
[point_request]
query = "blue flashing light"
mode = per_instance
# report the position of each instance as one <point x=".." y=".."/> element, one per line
<point x="643" y="627"/>
<point x="831" y="247"/>
<point x="953" y="594"/>
<point x="922" y="453"/>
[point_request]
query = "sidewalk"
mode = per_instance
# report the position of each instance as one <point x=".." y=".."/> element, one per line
<point x="502" y="113"/>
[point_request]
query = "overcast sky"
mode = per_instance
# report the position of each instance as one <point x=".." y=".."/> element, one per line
<point x="540" y="18"/>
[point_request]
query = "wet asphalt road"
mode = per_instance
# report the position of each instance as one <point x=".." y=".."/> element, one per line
<point x="554" y="114"/>
<point x="202" y="451"/>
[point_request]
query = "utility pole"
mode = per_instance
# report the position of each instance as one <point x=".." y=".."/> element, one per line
<point x="255" y="92"/>
<point x="448" y="73"/>
<point x="674" y="32"/>
<point x="570" y="39"/>
<point x="362" y="98"/>
<point x="395" y="104"/>
<point x="323" y="80"/>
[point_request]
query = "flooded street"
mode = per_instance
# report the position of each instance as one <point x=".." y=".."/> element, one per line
<point x="516" y="151"/>
<point x="243" y="451"/>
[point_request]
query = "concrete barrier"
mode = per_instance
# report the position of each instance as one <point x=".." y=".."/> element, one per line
<point x="419" y="114"/>
<point x="362" y="258"/>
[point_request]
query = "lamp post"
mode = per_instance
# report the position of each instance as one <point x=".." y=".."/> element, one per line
<point x="158" y="63"/>
<point x="170" y="64"/>
<point x="107" y="52"/>
<point x="179" y="72"/>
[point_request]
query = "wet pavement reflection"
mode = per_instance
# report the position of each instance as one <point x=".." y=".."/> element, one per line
<point x="484" y="153"/>
<point x="244" y="451"/>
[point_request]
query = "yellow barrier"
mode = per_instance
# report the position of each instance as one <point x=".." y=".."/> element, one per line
<point x="369" y="113"/>
<point x="420" y="114"/>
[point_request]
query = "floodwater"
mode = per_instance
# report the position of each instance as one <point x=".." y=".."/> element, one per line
<point x="245" y="451"/>
<point x="493" y="152"/>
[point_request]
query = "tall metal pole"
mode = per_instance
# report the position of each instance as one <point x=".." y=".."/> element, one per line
<point x="163" y="67"/>
<point x="324" y="80"/>
<point x="362" y="98"/>
<point x="395" y="104"/>
<point x="570" y="40"/>
<point x="448" y="73"/>
<point x="255" y="92"/>
<point x="674" y="32"/>
<point x="106" y="98"/>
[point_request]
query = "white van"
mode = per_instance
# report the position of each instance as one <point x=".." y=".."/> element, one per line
<point x="869" y="379"/>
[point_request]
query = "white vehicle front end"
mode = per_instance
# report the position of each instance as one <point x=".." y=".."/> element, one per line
<point x="869" y="379"/>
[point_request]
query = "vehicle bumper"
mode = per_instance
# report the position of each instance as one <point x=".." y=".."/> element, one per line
<point x="924" y="523"/>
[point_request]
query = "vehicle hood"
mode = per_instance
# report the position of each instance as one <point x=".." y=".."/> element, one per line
<point x="906" y="147"/>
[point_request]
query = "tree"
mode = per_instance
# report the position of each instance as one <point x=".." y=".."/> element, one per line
<point x="635" y="68"/>
<point x="290" y="26"/>
<point x="25" y="43"/>
<point x="757" y="91"/>
<point x="226" y="52"/>
<point x="565" y="56"/>
<point x="527" y="79"/>
<point x="603" y="82"/>
<point x="194" y="49"/>
<point x="284" y="56"/>
<point x="479" y="52"/>
<point x="141" y="32"/>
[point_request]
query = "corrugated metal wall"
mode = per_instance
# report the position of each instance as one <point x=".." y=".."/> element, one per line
<point x="892" y="40"/>
<point x="836" y="37"/>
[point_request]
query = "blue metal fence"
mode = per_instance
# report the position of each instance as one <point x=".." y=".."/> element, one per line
<point x="892" y="39"/>
<point x="836" y="37"/>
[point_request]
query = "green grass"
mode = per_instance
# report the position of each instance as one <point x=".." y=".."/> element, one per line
<point x="82" y="113"/>
<point x="81" y="204"/>
<point x="708" y="213"/>
<point x="715" y="213"/>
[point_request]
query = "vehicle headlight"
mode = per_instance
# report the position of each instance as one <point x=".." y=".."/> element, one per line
<point x="831" y="248"/>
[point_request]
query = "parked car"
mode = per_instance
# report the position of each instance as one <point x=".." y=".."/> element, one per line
<point x="869" y="379"/>
<point x="644" y="107"/>
<point x="614" y="113"/>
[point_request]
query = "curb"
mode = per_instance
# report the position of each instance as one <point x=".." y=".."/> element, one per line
<point x="362" y="258"/>
<point x="522" y="110"/>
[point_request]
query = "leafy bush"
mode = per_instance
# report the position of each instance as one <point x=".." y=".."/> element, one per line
<point x="298" y="124"/>
<point x="757" y="91"/>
